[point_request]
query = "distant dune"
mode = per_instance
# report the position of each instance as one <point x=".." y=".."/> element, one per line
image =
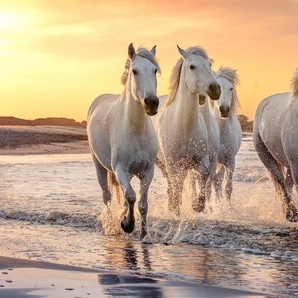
<point x="53" y="121"/>
<point x="28" y="136"/>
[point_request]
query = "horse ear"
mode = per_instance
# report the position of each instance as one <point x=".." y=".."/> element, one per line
<point x="131" y="51"/>
<point x="183" y="53"/>
<point x="153" y="51"/>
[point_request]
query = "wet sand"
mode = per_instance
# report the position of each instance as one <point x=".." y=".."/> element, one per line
<point x="25" y="278"/>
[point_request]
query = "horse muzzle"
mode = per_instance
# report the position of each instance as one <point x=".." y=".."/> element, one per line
<point x="214" y="91"/>
<point x="151" y="105"/>
<point x="224" y="111"/>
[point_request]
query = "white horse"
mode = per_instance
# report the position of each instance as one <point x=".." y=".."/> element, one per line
<point x="213" y="139"/>
<point x="230" y="131"/>
<point x="181" y="129"/>
<point x="275" y="136"/>
<point x="122" y="139"/>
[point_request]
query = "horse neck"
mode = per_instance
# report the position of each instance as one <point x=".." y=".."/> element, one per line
<point x="132" y="111"/>
<point x="212" y="107"/>
<point x="205" y="110"/>
<point x="185" y="106"/>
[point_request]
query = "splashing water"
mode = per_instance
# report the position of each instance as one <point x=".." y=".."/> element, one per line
<point x="51" y="209"/>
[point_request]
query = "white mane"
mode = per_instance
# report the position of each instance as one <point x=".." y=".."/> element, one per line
<point x="176" y="72"/>
<point x="294" y="83"/>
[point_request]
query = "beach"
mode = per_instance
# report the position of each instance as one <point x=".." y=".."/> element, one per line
<point x="23" y="278"/>
<point x="57" y="243"/>
<point x="20" y="140"/>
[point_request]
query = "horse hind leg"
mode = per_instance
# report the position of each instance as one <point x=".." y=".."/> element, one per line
<point x="278" y="178"/>
<point x="102" y="178"/>
<point x="164" y="172"/>
<point x="292" y="179"/>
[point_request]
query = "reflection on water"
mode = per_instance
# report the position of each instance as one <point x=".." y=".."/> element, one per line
<point x="129" y="286"/>
<point x="55" y="201"/>
<point x="220" y="267"/>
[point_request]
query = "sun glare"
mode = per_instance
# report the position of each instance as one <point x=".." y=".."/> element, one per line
<point x="7" y="20"/>
<point x="10" y="20"/>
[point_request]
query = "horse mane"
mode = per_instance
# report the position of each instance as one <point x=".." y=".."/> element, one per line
<point x="142" y="52"/>
<point x="176" y="72"/>
<point x="230" y="75"/>
<point x="294" y="83"/>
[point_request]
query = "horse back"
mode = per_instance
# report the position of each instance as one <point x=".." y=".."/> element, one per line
<point x="104" y="100"/>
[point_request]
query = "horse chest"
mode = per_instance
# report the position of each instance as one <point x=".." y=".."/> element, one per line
<point x="136" y="156"/>
<point x="188" y="152"/>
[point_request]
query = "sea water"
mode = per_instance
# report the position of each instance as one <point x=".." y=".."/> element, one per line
<point x="51" y="209"/>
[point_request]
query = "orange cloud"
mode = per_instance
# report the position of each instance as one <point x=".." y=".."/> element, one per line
<point x="56" y="56"/>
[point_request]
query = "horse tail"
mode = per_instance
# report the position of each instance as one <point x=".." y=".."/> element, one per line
<point x="295" y="83"/>
<point x="114" y="187"/>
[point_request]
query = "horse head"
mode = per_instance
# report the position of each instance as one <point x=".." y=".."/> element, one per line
<point x="198" y="74"/>
<point x="142" y="77"/>
<point x="228" y="100"/>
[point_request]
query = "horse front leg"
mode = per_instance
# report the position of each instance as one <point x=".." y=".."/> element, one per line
<point x="176" y="180"/>
<point x="218" y="179"/>
<point x="229" y="184"/>
<point x="199" y="202"/>
<point x="128" y="220"/>
<point x="145" y="182"/>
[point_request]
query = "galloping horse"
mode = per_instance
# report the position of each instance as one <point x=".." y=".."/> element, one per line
<point x="122" y="139"/>
<point x="275" y="137"/>
<point x="229" y="129"/>
<point x="181" y="129"/>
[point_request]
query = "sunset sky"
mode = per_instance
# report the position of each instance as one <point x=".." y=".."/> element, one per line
<point x="56" y="56"/>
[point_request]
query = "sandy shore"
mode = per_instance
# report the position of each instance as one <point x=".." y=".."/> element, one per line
<point x="20" y="140"/>
<point x="24" y="278"/>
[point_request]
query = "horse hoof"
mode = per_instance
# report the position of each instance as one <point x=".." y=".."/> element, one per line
<point x="198" y="204"/>
<point x="127" y="226"/>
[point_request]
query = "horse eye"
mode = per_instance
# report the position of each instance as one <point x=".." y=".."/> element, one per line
<point x="192" y="67"/>
<point x="134" y="72"/>
<point x="232" y="89"/>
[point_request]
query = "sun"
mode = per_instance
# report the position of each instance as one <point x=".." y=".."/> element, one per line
<point x="8" y="19"/>
<point x="14" y="19"/>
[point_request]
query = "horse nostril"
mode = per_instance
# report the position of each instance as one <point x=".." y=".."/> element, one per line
<point x="151" y="101"/>
<point x="224" y="111"/>
<point x="213" y="87"/>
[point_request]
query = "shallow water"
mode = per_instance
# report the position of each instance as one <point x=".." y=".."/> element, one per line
<point x="51" y="210"/>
